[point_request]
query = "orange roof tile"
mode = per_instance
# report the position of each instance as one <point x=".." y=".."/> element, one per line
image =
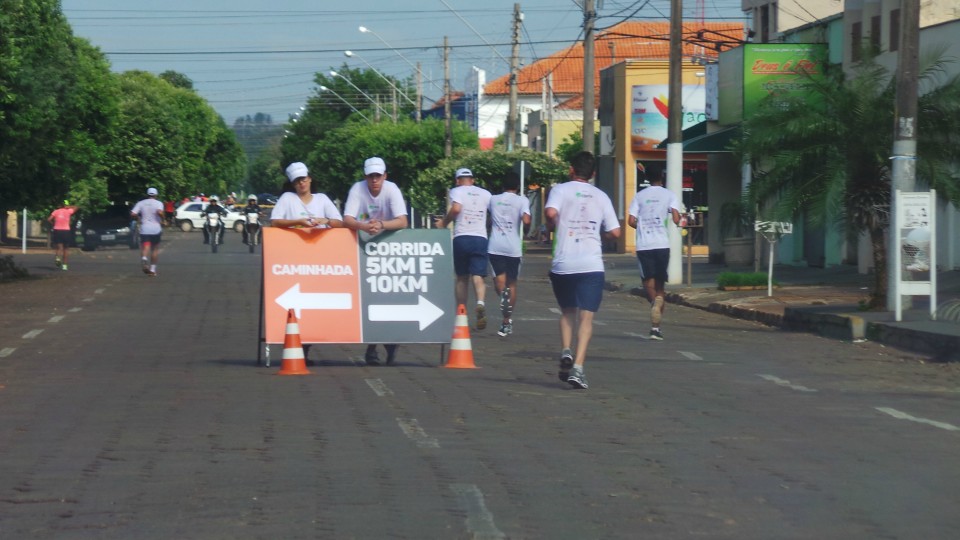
<point x="636" y="40"/>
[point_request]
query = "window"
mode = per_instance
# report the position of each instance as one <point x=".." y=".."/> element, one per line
<point x="894" y="30"/>
<point x="764" y="24"/>
<point x="875" y="32"/>
<point x="856" y="41"/>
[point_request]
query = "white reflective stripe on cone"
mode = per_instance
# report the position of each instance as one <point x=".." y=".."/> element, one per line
<point x="293" y="328"/>
<point x="293" y="353"/>
<point x="460" y="344"/>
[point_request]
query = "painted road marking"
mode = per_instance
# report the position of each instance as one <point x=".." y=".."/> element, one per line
<point x="690" y="355"/>
<point x="641" y="336"/>
<point x="7" y="351"/>
<point x="99" y="291"/>
<point x="555" y="310"/>
<point x="900" y="415"/>
<point x="32" y="334"/>
<point x="87" y="300"/>
<point x="479" y="520"/>
<point x="379" y="387"/>
<point x="411" y="428"/>
<point x="783" y="382"/>
<point x="56" y="318"/>
<point x="75" y="309"/>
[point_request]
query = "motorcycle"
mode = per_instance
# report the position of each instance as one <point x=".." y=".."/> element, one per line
<point x="215" y="230"/>
<point x="253" y="229"/>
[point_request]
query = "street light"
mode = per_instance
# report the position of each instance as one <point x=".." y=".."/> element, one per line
<point x="366" y="30"/>
<point x="351" y="54"/>
<point x="355" y="87"/>
<point x="325" y="89"/>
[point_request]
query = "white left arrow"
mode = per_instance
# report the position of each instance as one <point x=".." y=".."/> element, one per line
<point x="424" y="312"/>
<point x="296" y="300"/>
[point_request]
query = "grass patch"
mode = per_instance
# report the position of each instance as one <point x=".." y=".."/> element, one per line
<point x="743" y="279"/>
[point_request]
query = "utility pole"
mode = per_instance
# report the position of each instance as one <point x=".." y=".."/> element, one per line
<point x="675" y="134"/>
<point x="419" y="92"/>
<point x="589" y="16"/>
<point x="448" y="137"/>
<point x="512" y="116"/>
<point x="903" y="169"/>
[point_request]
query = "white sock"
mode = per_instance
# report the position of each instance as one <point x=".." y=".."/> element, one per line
<point x="153" y="268"/>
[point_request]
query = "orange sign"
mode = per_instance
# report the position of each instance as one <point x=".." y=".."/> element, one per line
<point x="316" y="273"/>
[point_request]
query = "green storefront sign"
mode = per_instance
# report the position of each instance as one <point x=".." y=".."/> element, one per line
<point x="750" y="73"/>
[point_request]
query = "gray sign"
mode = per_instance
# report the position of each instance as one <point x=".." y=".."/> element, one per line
<point x="406" y="284"/>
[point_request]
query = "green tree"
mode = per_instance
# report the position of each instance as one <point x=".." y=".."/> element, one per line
<point x="57" y="102"/>
<point x="407" y="147"/>
<point x="177" y="79"/>
<point x="826" y="155"/>
<point x="169" y="138"/>
<point x="429" y="190"/>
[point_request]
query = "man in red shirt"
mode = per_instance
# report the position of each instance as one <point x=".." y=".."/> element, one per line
<point x="60" y="218"/>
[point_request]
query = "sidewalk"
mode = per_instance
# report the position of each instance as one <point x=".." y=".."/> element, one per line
<point x="824" y="301"/>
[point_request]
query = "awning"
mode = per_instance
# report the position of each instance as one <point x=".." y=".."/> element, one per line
<point x="718" y="141"/>
<point x="696" y="140"/>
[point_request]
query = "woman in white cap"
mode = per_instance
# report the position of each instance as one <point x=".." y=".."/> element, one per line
<point x="302" y="208"/>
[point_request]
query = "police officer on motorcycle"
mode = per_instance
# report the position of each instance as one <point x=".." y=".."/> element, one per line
<point x="251" y="208"/>
<point x="213" y="208"/>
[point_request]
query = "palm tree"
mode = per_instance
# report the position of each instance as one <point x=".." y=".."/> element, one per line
<point x="826" y="154"/>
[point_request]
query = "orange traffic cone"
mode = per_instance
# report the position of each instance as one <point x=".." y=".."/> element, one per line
<point x="461" y="352"/>
<point x="294" y="362"/>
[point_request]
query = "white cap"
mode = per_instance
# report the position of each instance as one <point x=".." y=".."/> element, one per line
<point x="374" y="165"/>
<point x="296" y="170"/>
<point x="463" y="172"/>
<point x="152" y="191"/>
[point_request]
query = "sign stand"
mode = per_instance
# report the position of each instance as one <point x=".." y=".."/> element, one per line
<point x="347" y="287"/>
<point x="913" y="223"/>
<point x="772" y="231"/>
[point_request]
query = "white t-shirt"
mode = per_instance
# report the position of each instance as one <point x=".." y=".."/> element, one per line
<point x="150" y="212"/>
<point x="363" y="206"/>
<point x="472" y="219"/>
<point x="289" y="206"/>
<point x="584" y="211"/>
<point x="506" y="215"/>
<point x="652" y="208"/>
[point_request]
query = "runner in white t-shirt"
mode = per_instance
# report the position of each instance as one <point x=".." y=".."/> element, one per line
<point x="509" y="212"/>
<point x="150" y="213"/>
<point x="374" y="205"/>
<point x="468" y="213"/>
<point x="650" y="212"/>
<point x="581" y="214"/>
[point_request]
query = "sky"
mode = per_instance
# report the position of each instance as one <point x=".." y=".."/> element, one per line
<point x="250" y="56"/>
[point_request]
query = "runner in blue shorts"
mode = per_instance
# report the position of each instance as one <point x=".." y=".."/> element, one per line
<point x="581" y="214"/>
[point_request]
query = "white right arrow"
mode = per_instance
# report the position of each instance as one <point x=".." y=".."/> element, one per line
<point x="425" y="312"/>
<point x="296" y="300"/>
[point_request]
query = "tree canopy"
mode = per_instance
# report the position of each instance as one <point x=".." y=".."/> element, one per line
<point x="826" y="156"/>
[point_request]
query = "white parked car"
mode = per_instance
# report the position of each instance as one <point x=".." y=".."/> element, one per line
<point x="188" y="217"/>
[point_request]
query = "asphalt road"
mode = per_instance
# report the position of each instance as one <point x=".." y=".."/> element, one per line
<point x="131" y="407"/>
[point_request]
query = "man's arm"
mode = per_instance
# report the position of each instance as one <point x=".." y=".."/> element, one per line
<point x="552" y="218"/>
<point x="451" y="215"/>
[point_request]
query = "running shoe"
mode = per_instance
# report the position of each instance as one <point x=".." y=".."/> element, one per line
<point x="577" y="380"/>
<point x="566" y="362"/>
<point x="481" y="317"/>
<point x="57" y="262"/>
<point x="63" y="267"/>
<point x="656" y="335"/>
<point x="505" y="329"/>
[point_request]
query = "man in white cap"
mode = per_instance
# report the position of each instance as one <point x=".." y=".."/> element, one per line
<point x="374" y="205"/>
<point x="149" y="212"/>
<point x="468" y="213"/>
<point x="301" y="208"/>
